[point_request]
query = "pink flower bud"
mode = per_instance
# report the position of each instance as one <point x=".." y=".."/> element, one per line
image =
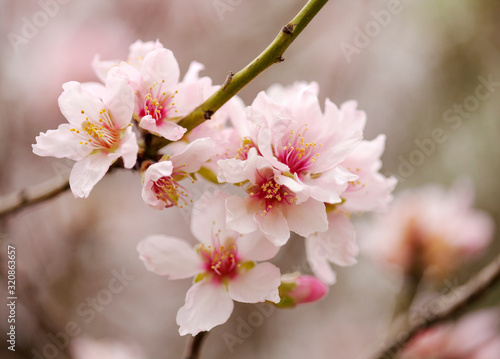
<point x="299" y="289"/>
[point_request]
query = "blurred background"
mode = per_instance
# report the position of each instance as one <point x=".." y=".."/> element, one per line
<point x="415" y="71"/>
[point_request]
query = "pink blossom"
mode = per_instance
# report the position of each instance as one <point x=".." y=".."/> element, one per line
<point x="84" y="348"/>
<point x="98" y="132"/>
<point x="433" y="227"/>
<point x="298" y="150"/>
<point x="305" y="144"/>
<point x="270" y="206"/>
<point x="475" y="336"/>
<point x="223" y="265"/>
<point x="160" y="98"/>
<point x="161" y="187"/>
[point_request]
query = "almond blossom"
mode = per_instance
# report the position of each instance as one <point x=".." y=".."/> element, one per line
<point x="161" y="187"/>
<point x="98" y="132"/>
<point x="270" y="206"/>
<point x="222" y="264"/>
<point x="160" y="98"/>
<point x="301" y="149"/>
<point x="432" y="228"/>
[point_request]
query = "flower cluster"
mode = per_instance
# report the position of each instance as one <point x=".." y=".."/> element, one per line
<point x="297" y="168"/>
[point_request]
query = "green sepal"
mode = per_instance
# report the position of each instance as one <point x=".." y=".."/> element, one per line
<point x="208" y="175"/>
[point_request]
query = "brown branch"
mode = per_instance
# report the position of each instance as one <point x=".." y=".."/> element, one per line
<point x="448" y="305"/>
<point x="195" y="345"/>
<point x="16" y="201"/>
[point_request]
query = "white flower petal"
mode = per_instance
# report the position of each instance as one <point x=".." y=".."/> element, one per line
<point x="255" y="247"/>
<point x="160" y="66"/>
<point x="74" y="100"/>
<point x="317" y="259"/>
<point x="150" y="198"/>
<point x="128" y="148"/>
<point x="306" y="218"/>
<point x="194" y="155"/>
<point x="193" y="72"/>
<point x="274" y="226"/>
<point x="338" y="243"/>
<point x="231" y="170"/>
<point x="87" y="172"/>
<point x="207" y="305"/>
<point x="209" y="218"/>
<point x="256" y="285"/>
<point x="119" y="99"/>
<point x="169" y="256"/>
<point x="140" y="48"/>
<point x="165" y="128"/>
<point x="158" y="170"/>
<point x="240" y="215"/>
<point x="101" y="68"/>
<point x="60" y="143"/>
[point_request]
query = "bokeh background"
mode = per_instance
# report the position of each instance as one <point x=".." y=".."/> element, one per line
<point x="408" y="74"/>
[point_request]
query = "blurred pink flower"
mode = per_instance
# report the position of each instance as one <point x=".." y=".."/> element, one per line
<point x="98" y="132"/>
<point x="161" y="188"/>
<point x="431" y="229"/>
<point x="85" y="348"/>
<point x="475" y="336"/>
<point x="222" y="264"/>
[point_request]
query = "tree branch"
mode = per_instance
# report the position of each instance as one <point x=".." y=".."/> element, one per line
<point x="446" y="306"/>
<point x="195" y="344"/>
<point x="235" y="82"/>
<point x="16" y="201"/>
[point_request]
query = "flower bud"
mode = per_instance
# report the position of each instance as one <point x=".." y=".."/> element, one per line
<point x="299" y="289"/>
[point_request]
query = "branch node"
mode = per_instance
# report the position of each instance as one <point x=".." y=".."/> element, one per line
<point x="280" y="59"/>
<point x="208" y="114"/>
<point x="288" y="29"/>
<point x="229" y="78"/>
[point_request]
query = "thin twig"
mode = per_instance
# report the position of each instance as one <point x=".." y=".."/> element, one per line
<point x="13" y="202"/>
<point x="234" y="83"/>
<point x="449" y="305"/>
<point x="195" y="344"/>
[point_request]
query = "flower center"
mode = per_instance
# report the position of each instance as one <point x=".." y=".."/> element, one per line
<point x="220" y="261"/>
<point x="169" y="191"/>
<point x="246" y="145"/>
<point x="98" y="133"/>
<point x="297" y="154"/>
<point x="157" y="103"/>
<point x="270" y="193"/>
